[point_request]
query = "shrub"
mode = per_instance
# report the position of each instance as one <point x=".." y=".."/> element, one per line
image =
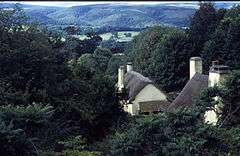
<point x="29" y="118"/>
<point x="14" y="142"/>
<point x="177" y="133"/>
<point x="26" y="124"/>
<point x="75" y="143"/>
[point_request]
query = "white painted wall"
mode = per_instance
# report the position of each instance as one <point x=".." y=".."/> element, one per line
<point x="148" y="93"/>
<point x="129" y="108"/>
<point x="213" y="79"/>
<point x="210" y="117"/>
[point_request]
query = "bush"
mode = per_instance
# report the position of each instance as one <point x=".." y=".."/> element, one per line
<point x="14" y="141"/>
<point x="26" y="124"/>
<point x="75" y="143"/>
<point x="73" y="146"/>
<point x="29" y="118"/>
<point x="177" y="133"/>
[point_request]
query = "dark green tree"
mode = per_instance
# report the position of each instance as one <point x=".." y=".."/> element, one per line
<point x="88" y="60"/>
<point x="33" y="68"/>
<point x="202" y="24"/>
<point x="231" y="101"/>
<point x="224" y="44"/>
<point x="14" y="142"/>
<point x="177" y="133"/>
<point x="115" y="62"/>
<point x="76" y="47"/>
<point x="169" y="65"/>
<point x="88" y="102"/>
<point x="102" y="57"/>
<point x="163" y="55"/>
<point x="141" y="49"/>
<point x="114" y="45"/>
<point x="30" y="63"/>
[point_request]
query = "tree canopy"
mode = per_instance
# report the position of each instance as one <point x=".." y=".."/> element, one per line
<point x="163" y="55"/>
<point x="224" y="44"/>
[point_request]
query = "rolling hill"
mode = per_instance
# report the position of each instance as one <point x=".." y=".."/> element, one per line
<point x="117" y="15"/>
<point x="113" y="15"/>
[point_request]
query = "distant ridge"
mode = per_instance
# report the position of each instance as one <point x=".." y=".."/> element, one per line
<point x="114" y="15"/>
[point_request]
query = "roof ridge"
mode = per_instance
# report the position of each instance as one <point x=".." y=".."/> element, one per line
<point x="192" y="89"/>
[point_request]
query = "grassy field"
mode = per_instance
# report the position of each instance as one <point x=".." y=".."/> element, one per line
<point x="121" y="36"/>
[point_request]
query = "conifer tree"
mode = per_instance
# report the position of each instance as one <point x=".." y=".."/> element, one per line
<point x="202" y="24"/>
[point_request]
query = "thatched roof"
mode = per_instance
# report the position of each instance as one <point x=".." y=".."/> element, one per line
<point x="153" y="106"/>
<point x="135" y="82"/>
<point x="191" y="90"/>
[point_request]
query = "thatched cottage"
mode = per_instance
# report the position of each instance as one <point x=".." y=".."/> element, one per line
<point x="143" y="96"/>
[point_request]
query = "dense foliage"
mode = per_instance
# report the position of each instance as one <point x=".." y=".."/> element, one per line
<point x="169" y="65"/>
<point x="164" y="54"/>
<point x="14" y="141"/>
<point x="77" y="47"/>
<point x="57" y="92"/>
<point x="114" y="45"/>
<point x="37" y="66"/>
<point x="202" y="24"/>
<point x="224" y="41"/>
<point x="178" y="133"/>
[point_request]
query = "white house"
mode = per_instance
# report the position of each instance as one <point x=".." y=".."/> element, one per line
<point x="143" y="95"/>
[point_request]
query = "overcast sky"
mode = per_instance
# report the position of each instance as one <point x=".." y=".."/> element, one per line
<point x="72" y="3"/>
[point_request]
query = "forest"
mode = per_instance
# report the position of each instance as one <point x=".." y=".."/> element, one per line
<point x="58" y="97"/>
